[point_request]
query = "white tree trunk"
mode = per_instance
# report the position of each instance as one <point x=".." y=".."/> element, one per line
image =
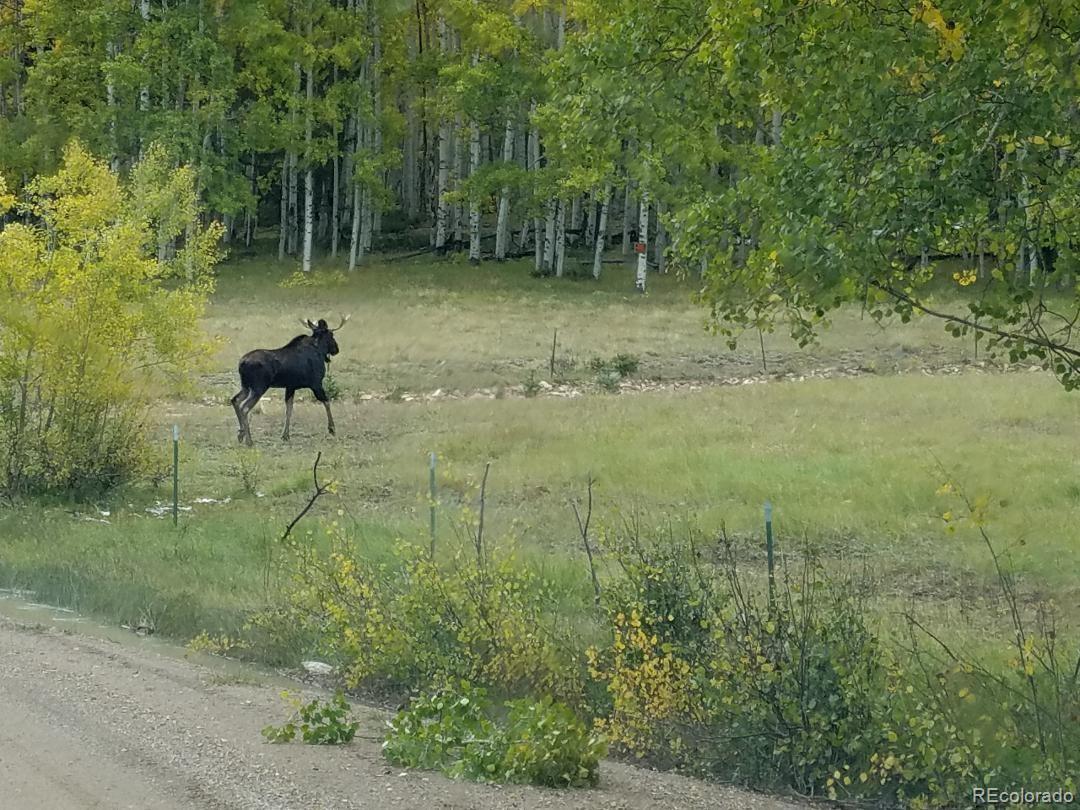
<point x="335" y="208"/>
<point x="294" y="212"/>
<point x="442" y="210"/>
<point x="110" y="103"/>
<point x="575" y="220"/>
<point x="549" y="234"/>
<point x="358" y="195"/>
<point x="590" y="222"/>
<point x="144" y="91"/>
<point x="354" y="236"/>
<point x="474" y="198"/>
<point x="309" y="172"/>
<point x="660" y="255"/>
<point x="347" y="163"/>
<point x="251" y="211"/>
<point x="502" y="224"/>
<point x="628" y="215"/>
<point x="294" y="184"/>
<point x="367" y="221"/>
<point x="643" y="237"/>
<point x="534" y="161"/>
<point x="283" y="230"/>
<point x="560" y="240"/>
<point x="409" y="181"/>
<point x="459" y="177"/>
<point x="601" y="233"/>
<point x="377" y="140"/>
<point x="362" y="228"/>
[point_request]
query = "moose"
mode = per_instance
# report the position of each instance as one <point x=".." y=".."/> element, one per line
<point x="300" y="363"/>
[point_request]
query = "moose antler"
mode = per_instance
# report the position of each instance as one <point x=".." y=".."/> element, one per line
<point x="307" y="324"/>
<point x="344" y="320"/>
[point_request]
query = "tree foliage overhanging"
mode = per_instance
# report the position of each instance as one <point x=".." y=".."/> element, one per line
<point x="800" y="155"/>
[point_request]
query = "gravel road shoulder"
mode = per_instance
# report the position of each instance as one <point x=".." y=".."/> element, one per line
<point x="91" y="723"/>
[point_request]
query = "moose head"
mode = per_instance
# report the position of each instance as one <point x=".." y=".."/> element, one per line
<point x="324" y="335"/>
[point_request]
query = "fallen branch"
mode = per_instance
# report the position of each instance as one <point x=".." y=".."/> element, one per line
<point x="320" y="490"/>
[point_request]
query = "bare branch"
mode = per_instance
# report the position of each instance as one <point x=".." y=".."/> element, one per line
<point x="583" y="528"/>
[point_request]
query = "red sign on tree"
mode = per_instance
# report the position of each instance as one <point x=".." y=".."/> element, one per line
<point x="639" y="247"/>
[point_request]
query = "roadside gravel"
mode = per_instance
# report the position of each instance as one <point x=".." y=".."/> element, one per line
<point x="89" y="723"/>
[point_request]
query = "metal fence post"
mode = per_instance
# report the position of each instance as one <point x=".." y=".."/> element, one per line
<point x="769" y="553"/>
<point x="175" y="474"/>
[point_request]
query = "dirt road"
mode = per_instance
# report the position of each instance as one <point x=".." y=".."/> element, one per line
<point x="88" y="723"/>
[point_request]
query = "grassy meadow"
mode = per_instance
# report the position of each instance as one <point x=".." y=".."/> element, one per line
<point x="851" y="463"/>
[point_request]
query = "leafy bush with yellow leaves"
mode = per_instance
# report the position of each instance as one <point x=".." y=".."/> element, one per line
<point x="95" y="317"/>
<point x="705" y="664"/>
<point x="479" y="616"/>
<point x="705" y="670"/>
<point x="709" y="669"/>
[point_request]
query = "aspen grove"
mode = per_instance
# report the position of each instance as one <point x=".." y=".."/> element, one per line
<point x="796" y="156"/>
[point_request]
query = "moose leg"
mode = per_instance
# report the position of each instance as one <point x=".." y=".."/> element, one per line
<point x="254" y="395"/>
<point x="320" y="395"/>
<point x="236" y="401"/>
<point x="289" y="392"/>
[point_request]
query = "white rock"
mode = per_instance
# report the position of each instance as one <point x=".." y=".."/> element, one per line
<point x="317" y="667"/>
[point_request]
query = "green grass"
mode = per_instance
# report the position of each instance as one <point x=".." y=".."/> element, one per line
<point x="850" y="464"/>
<point x="420" y="326"/>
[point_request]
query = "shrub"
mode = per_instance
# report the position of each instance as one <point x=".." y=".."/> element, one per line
<point x="478" y="615"/>
<point x="707" y="665"/>
<point x="446" y="730"/>
<point x="622" y="364"/>
<point x="91" y="322"/>
<point x="331" y="387"/>
<point x="248" y="461"/>
<point x="318" y="722"/>
<point x="704" y="670"/>
<point x="625" y="364"/>
<point x="451" y="730"/>
<point x="532" y="385"/>
<point x="609" y="373"/>
<point x="609" y="379"/>
<point x="548" y="745"/>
